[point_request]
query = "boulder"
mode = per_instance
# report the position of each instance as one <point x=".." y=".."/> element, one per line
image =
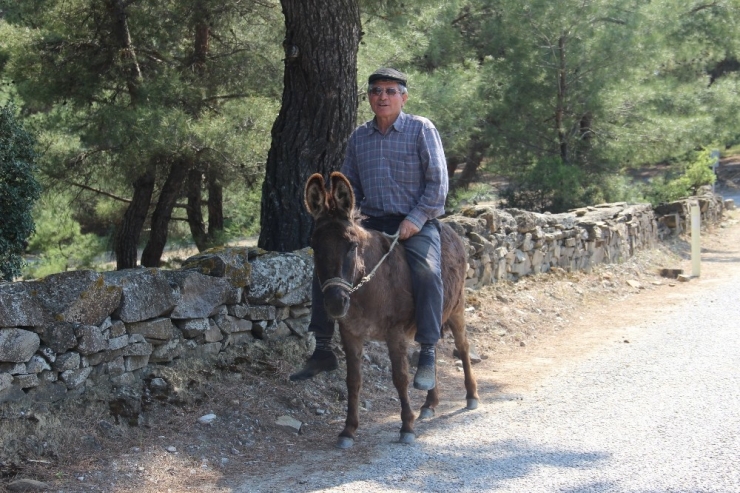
<point x="146" y="294"/>
<point x="81" y="297"/>
<point x="197" y="295"/>
<point x="281" y="279"/>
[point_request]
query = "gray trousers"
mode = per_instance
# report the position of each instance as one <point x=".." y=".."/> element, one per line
<point x="424" y="254"/>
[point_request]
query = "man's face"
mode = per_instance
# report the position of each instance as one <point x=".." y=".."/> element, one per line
<point x="385" y="105"/>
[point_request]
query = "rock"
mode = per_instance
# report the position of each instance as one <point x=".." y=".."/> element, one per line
<point x="126" y="404"/>
<point x="91" y="339"/>
<point x="28" y="485"/>
<point x="59" y="336"/>
<point x="231" y="263"/>
<point x="299" y="326"/>
<point x="207" y="419"/>
<point x="472" y="352"/>
<point x="146" y="294"/>
<point x="684" y="278"/>
<point x="18" y="345"/>
<point x="193" y="327"/>
<point x="281" y="279"/>
<point x="634" y="284"/>
<point x="5" y="380"/>
<point x="289" y="423"/>
<point x="261" y="312"/>
<point x="26" y="381"/>
<point x="197" y="295"/>
<point x="37" y="364"/>
<point x="19" y="307"/>
<point x="66" y="361"/>
<point x="82" y="297"/>
<point x="133" y="363"/>
<point x="169" y="350"/>
<point x="50" y="392"/>
<point x="118" y="342"/>
<point x="155" y="331"/>
<point x="75" y="378"/>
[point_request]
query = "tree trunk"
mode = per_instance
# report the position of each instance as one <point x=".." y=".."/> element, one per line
<point x="561" y="101"/>
<point x="215" y="207"/>
<point x="318" y="112"/>
<point x="152" y="253"/>
<point x="122" y="35"/>
<point x="127" y="236"/>
<point x="475" y="151"/>
<point x="194" y="209"/>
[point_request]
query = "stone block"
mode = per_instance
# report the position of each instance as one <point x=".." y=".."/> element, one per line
<point x="17" y="345"/>
<point x="146" y="294"/>
<point x="75" y="378"/>
<point x="19" y="306"/>
<point x="82" y="297"/>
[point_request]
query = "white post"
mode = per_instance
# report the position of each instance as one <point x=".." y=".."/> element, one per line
<point x="695" y="240"/>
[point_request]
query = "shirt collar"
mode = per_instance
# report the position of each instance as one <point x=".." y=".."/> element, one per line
<point x="398" y="125"/>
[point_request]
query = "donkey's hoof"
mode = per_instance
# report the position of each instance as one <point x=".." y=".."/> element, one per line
<point x="472" y="404"/>
<point x="426" y="413"/>
<point x="344" y="442"/>
<point x="407" y="438"/>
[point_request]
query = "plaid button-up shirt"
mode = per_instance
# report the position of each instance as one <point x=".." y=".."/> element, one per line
<point x="401" y="173"/>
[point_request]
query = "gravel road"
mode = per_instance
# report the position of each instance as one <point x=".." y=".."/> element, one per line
<point x="655" y="409"/>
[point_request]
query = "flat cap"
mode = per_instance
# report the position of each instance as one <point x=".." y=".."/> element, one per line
<point x="385" y="73"/>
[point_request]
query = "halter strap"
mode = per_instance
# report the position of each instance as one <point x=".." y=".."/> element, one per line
<point x="338" y="281"/>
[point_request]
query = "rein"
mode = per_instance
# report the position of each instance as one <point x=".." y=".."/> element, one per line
<point x="338" y="281"/>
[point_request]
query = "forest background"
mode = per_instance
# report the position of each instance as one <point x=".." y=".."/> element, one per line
<point x="158" y="124"/>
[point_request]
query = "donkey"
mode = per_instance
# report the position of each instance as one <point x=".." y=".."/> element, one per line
<point x="367" y="291"/>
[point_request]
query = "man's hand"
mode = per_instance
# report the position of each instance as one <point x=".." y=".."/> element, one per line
<point x="407" y="230"/>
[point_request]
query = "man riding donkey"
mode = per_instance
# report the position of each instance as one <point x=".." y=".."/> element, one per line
<point x="396" y="166"/>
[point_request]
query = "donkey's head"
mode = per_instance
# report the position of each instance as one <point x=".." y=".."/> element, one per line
<point x="336" y="240"/>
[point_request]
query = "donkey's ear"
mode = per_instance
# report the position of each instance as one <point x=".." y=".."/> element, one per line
<point x="315" y="195"/>
<point x="341" y="192"/>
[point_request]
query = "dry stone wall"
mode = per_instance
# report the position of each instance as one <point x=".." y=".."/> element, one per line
<point x="62" y="335"/>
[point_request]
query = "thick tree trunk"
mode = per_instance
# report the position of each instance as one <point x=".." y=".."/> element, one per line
<point x="127" y="236"/>
<point x="319" y="111"/>
<point x="152" y="253"/>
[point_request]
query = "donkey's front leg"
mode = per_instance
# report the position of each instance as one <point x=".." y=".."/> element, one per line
<point x="400" y="370"/>
<point x="353" y="350"/>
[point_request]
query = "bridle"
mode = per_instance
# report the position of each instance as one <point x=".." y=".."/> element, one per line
<point x="340" y="282"/>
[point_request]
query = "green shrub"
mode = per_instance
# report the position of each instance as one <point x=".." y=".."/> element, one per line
<point x="549" y="185"/>
<point x="695" y="174"/>
<point x="58" y="245"/>
<point x="18" y="192"/>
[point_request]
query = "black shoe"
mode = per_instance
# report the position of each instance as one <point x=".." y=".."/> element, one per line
<point x="425" y="378"/>
<point x="318" y="362"/>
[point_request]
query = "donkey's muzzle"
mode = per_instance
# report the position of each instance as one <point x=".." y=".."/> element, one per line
<point x="336" y="301"/>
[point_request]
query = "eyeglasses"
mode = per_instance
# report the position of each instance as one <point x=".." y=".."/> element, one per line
<point x="378" y="91"/>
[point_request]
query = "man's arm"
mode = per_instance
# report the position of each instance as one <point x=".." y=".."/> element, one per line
<point x="434" y="164"/>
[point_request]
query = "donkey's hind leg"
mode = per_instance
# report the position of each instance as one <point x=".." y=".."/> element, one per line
<point x="456" y="323"/>
<point x="397" y="350"/>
